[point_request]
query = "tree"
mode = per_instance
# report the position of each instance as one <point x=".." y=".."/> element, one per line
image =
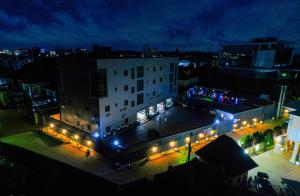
<point x="246" y="141"/>
<point x="257" y="137"/>
<point x="268" y="138"/>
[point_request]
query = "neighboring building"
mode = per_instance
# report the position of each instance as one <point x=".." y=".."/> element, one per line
<point x="259" y="58"/>
<point x="231" y="112"/>
<point x="293" y="134"/>
<point x="225" y="153"/>
<point x="106" y="95"/>
<point x="264" y="53"/>
<point x="187" y="78"/>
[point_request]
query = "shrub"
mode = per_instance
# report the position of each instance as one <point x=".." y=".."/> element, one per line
<point x="246" y="141"/>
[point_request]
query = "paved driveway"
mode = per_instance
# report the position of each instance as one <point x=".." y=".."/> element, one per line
<point x="276" y="165"/>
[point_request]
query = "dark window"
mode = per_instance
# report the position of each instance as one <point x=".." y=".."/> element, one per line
<point x="107" y="129"/>
<point x="116" y="104"/>
<point x="107" y="108"/>
<point x="78" y="123"/>
<point x="115" y="72"/>
<point x="153" y="81"/>
<point x="171" y="78"/>
<point x="147" y="82"/>
<point x="89" y="127"/>
<point x="98" y="84"/>
<point x="140" y="71"/>
<point x="140" y="85"/>
<point x="125" y="73"/>
<point x="132" y="89"/>
<point x="132" y="103"/>
<point x="116" y="89"/>
<point x="170" y="88"/>
<point x="160" y="79"/>
<point x="126" y="88"/>
<point x="126" y="103"/>
<point x="126" y="121"/>
<point x="132" y="73"/>
<point x="160" y="68"/>
<point x="154" y="69"/>
<point x="140" y="99"/>
<point x="87" y="108"/>
<point x="69" y="102"/>
<point x="147" y="68"/>
<point x="153" y="93"/>
<point x="172" y="65"/>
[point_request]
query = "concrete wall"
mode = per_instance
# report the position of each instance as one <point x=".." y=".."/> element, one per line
<point x="163" y="144"/>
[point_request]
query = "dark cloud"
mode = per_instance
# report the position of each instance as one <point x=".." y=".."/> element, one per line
<point x="167" y="24"/>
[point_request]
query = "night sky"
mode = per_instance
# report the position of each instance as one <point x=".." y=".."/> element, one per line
<point x="128" y="24"/>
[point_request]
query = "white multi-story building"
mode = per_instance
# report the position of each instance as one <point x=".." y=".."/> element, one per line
<point x="106" y="95"/>
<point x="293" y="134"/>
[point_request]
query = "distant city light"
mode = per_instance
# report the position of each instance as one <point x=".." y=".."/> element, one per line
<point x="286" y="111"/>
<point x="261" y="122"/>
<point x="76" y="137"/>
<point x="64" y="131"/>
<point x="217" y="121"/>
<point x="89" y="143"/>
<point x="244" y="122"/>
<point x="52" y="125"/>
<point x="254" y="119"/>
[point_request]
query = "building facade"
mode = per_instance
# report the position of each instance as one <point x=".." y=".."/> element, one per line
<point x="107" y="95"/>
<point x="293" y="134"/>
<point x="266" y="53"/>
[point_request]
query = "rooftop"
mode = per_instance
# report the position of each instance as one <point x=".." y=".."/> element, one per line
<point x="179" y="119"/>
<point x="293" y="104"/>
<point x="225" y="152"/>
<point x="295" y="113"/>
<point x="234" y="109"/>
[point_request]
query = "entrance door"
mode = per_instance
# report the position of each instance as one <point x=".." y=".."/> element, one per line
<point x="141" y="116"/>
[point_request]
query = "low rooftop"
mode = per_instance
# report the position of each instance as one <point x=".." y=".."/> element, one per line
<point x="179" y="120"/>
<point x="226" y="153"/>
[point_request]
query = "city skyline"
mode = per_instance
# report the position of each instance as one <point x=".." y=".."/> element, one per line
<point x="128" y="25"/>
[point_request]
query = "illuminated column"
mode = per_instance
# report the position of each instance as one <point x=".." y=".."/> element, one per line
<point x="295" y="153"/>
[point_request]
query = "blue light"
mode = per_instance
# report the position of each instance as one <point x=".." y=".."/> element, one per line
<point x="96" y="134"/>
<point x="217" y="121"/>
<point x="116" y="143"/>
<point x="231" y="117"/>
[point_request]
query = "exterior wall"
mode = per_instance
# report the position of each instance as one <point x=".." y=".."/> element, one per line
<point x="226" y="123"/>
<point x="75" y="95"/>
<point x="293" y="130"/>
<point x="115" y="99"/>
<point x="268" y="111"/>
<point x="188" y="82"/>
<point x="163" y="144"/>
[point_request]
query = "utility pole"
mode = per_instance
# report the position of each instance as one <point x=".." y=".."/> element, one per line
<point x="281" y="99"/>
<point x="190" y="149"/>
